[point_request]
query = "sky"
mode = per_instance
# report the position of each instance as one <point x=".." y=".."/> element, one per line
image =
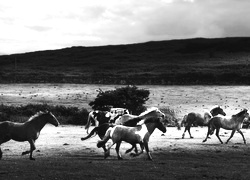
<point x="34" y="25"/>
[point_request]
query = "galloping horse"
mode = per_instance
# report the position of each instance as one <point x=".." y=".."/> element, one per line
<point x="133" y="135"/>
<point x="27" y="131"/>
<point x="150" y="112"/>
<point x="196" y="118"/>
<point x="233" y="123"/>
<point x="101" y="130"/>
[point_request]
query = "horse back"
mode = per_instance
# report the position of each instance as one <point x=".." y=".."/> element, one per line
<point x="124" y="133"/>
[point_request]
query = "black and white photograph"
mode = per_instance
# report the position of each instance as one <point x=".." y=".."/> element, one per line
<point x="125" y="89"/>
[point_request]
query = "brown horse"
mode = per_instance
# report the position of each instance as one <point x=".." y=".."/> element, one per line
<point x="133" y="135"/>
<point x="233" y="123"/>
<point x="198" y="119"/>
<point x="27" y="131"/>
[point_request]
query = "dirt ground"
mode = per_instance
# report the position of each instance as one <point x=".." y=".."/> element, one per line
<point x="60" y="154"/>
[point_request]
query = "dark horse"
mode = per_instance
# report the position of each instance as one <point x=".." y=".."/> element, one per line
<point x="27" y="131"/>
<point x="101" y="117"/>
<point x="198" y="119"/>
<point x="233" y="123"/>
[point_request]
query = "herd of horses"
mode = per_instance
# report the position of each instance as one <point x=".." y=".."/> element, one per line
<point x="118" y="125"/>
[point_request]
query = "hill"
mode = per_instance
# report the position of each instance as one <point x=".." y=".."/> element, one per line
<point x="187" y="61"/>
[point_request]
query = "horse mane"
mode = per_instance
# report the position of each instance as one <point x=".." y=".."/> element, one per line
<point x="132" y="122"/>
<point x="215" y="107"/>
<point x="149" y="110"/>
<point x="150" y="120"/>
<point x="36" y="115"/>
<point x="241" y="113"/>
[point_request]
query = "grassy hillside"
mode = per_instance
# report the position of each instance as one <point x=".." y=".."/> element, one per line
<point x="190" y="61"/>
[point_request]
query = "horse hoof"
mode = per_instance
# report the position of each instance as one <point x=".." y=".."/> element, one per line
<point x="120" y="158"/>
<point x="32" y="159"/>
<point x="133" y="154"/>
<point x="191" y="137"/>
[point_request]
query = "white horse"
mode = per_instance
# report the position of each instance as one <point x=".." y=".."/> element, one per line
<point x="150" y="112"/>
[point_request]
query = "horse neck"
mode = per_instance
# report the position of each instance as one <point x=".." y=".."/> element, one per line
<point x="38" y="123"/>
<point x="240" y="118"/>
<point x="150" y="127"/>
<point x="214" y="113"/>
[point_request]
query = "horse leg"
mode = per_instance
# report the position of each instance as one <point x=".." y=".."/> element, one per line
<point x="217" y="134"/>
<point x="183" y="135"/>
<point x="32" y="148"/>
<point x="3" y="140"/>
<point x="136" y="150"/>
<point x="129" y="150"/>
<point x="242" y="135"/>
<point x="1" y="153"/>
<point x="107" y="152"/>
<point x="147" y="150"/>
<point x="233" y="131"/>
<point x="208" y="132"/>
<point x="190" y="132"/>
<point x="117" y="150"/>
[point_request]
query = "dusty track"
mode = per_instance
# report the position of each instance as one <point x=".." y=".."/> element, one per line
<point x="61" y="154"/>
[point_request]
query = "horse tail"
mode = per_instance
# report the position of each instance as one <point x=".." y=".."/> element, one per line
<point x="102" y="142"/>
<point x="89" y="121"/>
<point x="91" y="134"/>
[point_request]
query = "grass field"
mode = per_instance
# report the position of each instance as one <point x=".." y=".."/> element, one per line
<point x="181" y="99"/>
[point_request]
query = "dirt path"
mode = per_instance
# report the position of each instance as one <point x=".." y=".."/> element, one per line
<point x="61" y="154"/>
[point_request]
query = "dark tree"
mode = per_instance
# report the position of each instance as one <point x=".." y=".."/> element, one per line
<point x="129" y="97"/>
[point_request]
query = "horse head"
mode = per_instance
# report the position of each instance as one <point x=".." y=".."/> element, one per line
<point x="50" y="118"/>
<point x="161" y="126"/>
<point x="155" y="123"/>
<point x="217" y="110"/>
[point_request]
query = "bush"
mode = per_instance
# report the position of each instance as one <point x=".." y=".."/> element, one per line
<point x="129" y="97"/>
<point x="65" y="115"/>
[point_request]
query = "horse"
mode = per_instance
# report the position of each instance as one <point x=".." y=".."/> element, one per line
<point x="233" y="123"/>
<point x="133" y="135"/>
<point x="132" y="122"/>
<point x="197" y="119"/>
<point x="150" y="112"/>
<point x="101" y="117"/>
<point x="27" y="131"/>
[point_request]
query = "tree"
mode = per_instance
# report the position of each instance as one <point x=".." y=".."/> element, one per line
<point x="129" y="97"/>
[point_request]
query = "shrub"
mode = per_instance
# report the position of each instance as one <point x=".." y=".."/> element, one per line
<point x="65" y="115"/>
<point x="129" y="97"/>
